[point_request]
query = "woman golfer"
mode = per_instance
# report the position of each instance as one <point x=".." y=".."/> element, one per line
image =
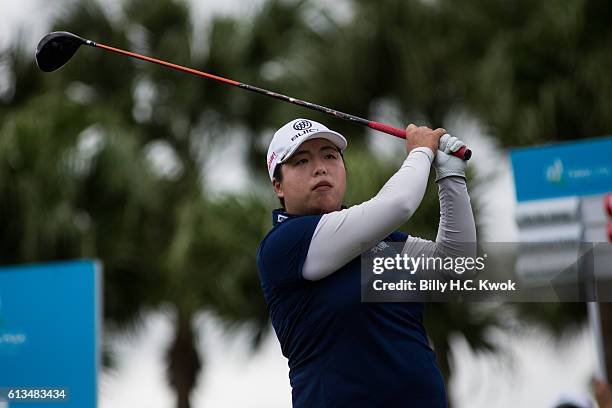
<point x="343" y="352"/>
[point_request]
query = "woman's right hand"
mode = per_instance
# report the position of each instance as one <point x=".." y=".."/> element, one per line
<point x="422" y="136"/>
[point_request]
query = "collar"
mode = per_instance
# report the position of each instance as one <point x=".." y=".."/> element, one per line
<point x="279" y="215"/>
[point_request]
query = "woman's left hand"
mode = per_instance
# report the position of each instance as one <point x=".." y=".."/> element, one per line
<point x="446" y="164"/>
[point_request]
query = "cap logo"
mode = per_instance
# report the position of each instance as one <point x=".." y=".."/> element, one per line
<point x="302" y="124"/>
<point x="271" y="159"/>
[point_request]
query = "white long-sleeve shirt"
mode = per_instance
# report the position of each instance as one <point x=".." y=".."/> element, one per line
<point x="342" y="235"/>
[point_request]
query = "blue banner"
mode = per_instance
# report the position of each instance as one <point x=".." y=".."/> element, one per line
<point x="49" y="328"/>
<point x="564" y="169"/>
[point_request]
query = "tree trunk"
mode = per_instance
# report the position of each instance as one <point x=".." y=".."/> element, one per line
<point x="183" y="361"/>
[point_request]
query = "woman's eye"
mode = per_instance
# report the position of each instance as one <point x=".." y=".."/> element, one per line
<point x="331" y="156"/>
<point x="301" y="161"/>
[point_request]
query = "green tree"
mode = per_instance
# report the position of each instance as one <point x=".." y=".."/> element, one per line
<point x="78" y="168"/>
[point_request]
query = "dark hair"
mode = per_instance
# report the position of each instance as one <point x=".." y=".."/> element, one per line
<point x="278" y="175"/>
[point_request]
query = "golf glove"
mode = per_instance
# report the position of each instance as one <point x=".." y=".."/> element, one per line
<point x="445" y="163"/>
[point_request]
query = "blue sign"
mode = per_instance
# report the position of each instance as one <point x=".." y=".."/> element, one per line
<point x="49" y="328"/>
<point x="564" y="169"/>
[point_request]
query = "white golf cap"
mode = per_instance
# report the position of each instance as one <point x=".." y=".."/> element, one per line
<point x="288" y="138"/>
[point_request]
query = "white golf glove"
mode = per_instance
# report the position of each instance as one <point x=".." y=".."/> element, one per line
<point x="446" y="164"/>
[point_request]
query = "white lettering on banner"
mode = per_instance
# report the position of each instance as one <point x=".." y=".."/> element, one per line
<point x="12" y="338"/>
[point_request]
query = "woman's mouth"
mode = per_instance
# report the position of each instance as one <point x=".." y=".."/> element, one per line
<point x="322" y="186"/>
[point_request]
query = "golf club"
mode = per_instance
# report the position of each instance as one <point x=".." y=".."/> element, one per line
<point x="55" y="49"/>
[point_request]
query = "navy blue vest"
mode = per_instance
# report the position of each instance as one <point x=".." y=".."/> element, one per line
<point x="343" y="352"/>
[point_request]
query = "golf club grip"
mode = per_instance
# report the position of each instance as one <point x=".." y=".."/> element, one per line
<point x="464" y="153"/>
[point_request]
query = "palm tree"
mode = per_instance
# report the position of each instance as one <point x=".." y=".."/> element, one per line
<point x="77" y="166"/>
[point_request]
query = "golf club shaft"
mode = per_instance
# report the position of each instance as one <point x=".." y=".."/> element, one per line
<point x="463" y="153"/>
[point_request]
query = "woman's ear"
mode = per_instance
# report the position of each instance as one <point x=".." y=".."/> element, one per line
<point x="278" y="188"/>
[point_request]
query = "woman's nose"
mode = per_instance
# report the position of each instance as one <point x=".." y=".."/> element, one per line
<point x="320" y="168"/>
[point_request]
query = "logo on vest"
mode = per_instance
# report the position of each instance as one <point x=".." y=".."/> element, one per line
<point x="381" y="246"/>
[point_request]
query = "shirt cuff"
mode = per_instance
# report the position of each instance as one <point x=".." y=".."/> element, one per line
<point x="425" y="150"/>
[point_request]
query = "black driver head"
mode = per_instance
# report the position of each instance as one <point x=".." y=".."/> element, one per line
<point x="56" y="48"/>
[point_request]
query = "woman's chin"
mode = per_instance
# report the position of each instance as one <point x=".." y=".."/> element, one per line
<point x="325" y="207"/>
